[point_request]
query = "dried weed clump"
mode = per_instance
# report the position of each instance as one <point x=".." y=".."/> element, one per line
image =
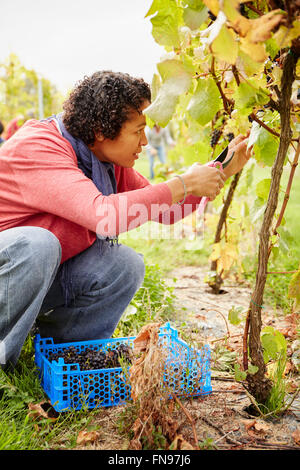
<point x="154" y="426"/>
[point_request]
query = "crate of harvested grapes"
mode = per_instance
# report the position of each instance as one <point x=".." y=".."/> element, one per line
<point x="89" y="374"/>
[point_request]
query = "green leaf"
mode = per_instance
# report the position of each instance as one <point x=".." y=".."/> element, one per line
<point x="195" y="4"/>
<point x="263" y="188"/>
<point x="265" y="147"/>
<point x="247" y="96"/>
<point x="252" y="369"/>
<point x="273" y="343"/>
<point x="195" y="16"/>
<point x="173" y="68"/>
<point x="155" y="86"/>
<point x="156" y="6"/>
<point x="165" y="24"/>
<point x="239" y="374"/>
<point x="176" y="80"/>
<point x="233" y="315"/>
<point x="285" y="238"/>
<point x="205" y="102"/>
<point x="225" y="46"/>
<point x="272" y="47"/>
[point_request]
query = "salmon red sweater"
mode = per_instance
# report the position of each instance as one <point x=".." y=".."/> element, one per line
<point x="41" y="185"/>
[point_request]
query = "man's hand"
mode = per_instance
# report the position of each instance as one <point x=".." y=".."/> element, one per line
<point x="199" y="180"/>
<point x="205" y="180"/>
<point x="241" y="155"/>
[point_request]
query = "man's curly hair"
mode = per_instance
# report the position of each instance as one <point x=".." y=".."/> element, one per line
<point x="101" y="103"/>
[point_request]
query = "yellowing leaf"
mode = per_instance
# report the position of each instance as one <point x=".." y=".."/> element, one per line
<point x="256" y="51"/>
<point x="225" y="46"/>
<point x="216" y="252"/>
<point x="240" y="24"/>
<point x="213" y="6"/>
<point x="284" y="36"/>
<point x="262" y="27"/>
<point x="225" y="254"/>
<point x="225" y="263"/>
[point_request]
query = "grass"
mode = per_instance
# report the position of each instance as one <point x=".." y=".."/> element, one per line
<point x="18" y="429"/>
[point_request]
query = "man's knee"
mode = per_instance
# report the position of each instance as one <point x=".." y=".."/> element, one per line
<point x="36" y="244"/>
<point x="43" y="243"/>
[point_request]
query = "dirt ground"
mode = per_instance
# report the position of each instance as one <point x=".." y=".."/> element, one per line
<point x="225" y="419"/>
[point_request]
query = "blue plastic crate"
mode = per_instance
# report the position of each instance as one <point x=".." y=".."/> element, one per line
<point x="187" y="372"/>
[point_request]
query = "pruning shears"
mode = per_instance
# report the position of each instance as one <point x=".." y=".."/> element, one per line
<point x="220" y="159"/>
<point x="217" y="162"/>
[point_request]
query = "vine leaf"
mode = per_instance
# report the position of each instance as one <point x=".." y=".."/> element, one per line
<point x="194" y="17"/>
<point x="263" y="188"/>
<point x="176" y="81"/>
<point x="248" y="95"/>
<point x="234" y="315"/>
<point x="213" y="6"/>
<point x="256" y="50"/>
<point x="225" y="46"/>
<point x="205" y="102"/>
<point x="265" y="147"/>
<point x="286" y="35"/>
<point x="166" y="22"/>
<point x="262" y="27"/>
<point x="273" y="343"/>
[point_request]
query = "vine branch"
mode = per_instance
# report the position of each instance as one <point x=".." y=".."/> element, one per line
<point x="259" y="385"/>
<point x="227" y="103"/>
<point x="289" y="185"/>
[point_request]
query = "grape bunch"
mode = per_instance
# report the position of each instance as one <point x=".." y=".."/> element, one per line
<point x="92" y="359"/>
<point x="230" y="136"/>
<point x="215" y="136"/>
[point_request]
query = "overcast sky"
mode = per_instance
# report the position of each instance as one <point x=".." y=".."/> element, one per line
<point x="64" y="40"/>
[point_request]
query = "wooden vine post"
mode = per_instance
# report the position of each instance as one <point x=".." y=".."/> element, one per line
<point x="259" y="385"/>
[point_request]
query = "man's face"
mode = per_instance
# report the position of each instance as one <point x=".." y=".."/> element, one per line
<point x="124" y="149"/>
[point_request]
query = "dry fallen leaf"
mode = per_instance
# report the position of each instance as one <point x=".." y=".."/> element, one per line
<point x="148" y="332"/>
<point x="256" y="428"/>
<point x="179" y="443"/>
<point x="43" y="409"/>
<point x="86" y="437"/>
<point x="296" y="436"/>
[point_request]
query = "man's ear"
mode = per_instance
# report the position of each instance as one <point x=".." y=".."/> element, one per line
<point x="99" y="137"/>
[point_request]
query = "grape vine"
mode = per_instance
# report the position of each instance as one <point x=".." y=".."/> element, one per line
<point x="231" y="67"/>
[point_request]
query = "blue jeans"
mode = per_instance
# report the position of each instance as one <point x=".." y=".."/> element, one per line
<point x="31" y="292"/>
<point x="161" y="155"/>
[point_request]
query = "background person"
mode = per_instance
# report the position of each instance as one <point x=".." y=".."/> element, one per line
<point x="158" y="137"/>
